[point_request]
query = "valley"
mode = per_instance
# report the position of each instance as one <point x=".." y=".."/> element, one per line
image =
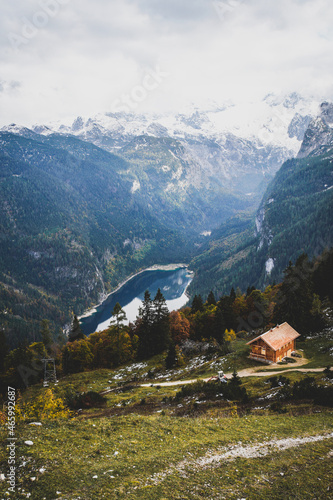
<point x="85" y="206"/>
<point x="137" y="411"/>
<point x="166" y="250"/>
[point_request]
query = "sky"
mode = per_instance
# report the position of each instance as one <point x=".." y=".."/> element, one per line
<point x="65" y="58"/>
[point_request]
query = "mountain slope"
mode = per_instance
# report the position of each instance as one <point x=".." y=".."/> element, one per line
<point x="198" y="167"/>
<point x="295" y="216"/>
<point x="70" y="229"/>
<point x="204" y="163"/>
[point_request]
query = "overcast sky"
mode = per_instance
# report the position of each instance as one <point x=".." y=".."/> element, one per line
<point x="63" y="58"/>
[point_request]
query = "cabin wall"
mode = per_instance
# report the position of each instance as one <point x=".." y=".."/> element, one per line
<point x="261" y="350"/>
<point x="285" y="351"/>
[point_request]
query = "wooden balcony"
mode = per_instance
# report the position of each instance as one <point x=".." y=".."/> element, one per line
<point x="261" y="358"/>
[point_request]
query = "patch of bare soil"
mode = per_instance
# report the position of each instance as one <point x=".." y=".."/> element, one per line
<point x="213" y="459"/>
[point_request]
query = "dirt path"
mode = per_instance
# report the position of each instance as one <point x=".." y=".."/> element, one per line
<point x="213" y="458"/>
<point x="251" y="372"/>
<point x="247" y="372"/>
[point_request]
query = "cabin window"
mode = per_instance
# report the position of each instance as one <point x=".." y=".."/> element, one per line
<point x="263" y="351"/>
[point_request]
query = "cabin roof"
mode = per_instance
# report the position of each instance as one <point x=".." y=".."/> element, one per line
<point x="278" y="337"/>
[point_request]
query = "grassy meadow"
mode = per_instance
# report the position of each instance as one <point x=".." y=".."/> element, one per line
<point x="154" y="442"/>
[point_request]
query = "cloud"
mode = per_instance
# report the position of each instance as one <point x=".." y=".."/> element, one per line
<point x="9" y="86"/>
<point x="85" y="55"/>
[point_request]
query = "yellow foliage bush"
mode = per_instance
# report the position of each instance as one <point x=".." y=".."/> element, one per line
<point x="45" y="407"/>
<point x="229" y="336"/>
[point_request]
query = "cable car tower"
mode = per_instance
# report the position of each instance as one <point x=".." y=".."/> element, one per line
<point x="50" y="375"/>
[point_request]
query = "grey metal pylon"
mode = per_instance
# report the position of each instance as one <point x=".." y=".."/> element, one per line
<point x="50" y="375"/>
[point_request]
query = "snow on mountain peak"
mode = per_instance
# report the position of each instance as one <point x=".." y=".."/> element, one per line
<point x="277" y="120"/>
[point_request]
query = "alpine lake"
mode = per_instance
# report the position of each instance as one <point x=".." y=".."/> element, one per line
<point x="172" y="282"/>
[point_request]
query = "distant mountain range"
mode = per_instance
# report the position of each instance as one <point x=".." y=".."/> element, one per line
<point x="87" y="204"/>
<point x="201" y="166"/>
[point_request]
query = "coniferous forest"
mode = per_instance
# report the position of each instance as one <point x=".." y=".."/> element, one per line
<point x="301" y="299"/>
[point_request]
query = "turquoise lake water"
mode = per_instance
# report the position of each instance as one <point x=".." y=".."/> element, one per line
<point x="173" y="285"/>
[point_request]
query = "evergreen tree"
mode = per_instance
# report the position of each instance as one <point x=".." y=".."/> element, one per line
<point x="46" y="334"/>
<point x="323" y="275"/>
<point x="235" y="389"/>
<point x="144" y="327"/>
<point x="296" y="302"/>
<point x="211" y="301"/>
<point x="161" y="324"/>
<point x="219" y="326"/>
<point x="249" y="290"/>
<point x="226" y="306"/>
<point x="171" y="359"/>
<point x="197" y="304"/>
<point x="76" y="332"/>
<point x="232" y="294"/>
<point x="61" y="338"/>
<point x="118" y="317"/>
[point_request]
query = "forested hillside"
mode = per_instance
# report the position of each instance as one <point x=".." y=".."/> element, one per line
<point x="70" y="230"/>
<point x="295" y="216"/>
<point x="76" y="219"/>
<point x="302" y="299"/>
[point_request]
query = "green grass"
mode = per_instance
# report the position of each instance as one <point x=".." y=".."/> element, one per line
<point x="152" y="432"/>
<point x="74" y="451"/>
<point x="318" y="350"/>
<point x="207" y="365"/>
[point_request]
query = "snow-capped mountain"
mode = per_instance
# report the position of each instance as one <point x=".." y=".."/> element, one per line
<point x="280" y="121"/>
<point x="240" y="146"/>
<point x="319" y="134"/>
<point x="295" y="216"/>
<point x="216" y="160"/>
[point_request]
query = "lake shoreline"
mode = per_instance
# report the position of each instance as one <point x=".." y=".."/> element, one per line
<point x="155" y="267"/>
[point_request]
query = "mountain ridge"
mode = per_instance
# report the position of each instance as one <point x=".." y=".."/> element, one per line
<point x="295" y="216"/>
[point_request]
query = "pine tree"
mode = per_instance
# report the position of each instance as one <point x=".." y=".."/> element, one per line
<point x="61" y="338"/>
<point x="118" y="317"/>
<point x="161" y="324"/>
<point x="171" y="358"/>
<point x="144" y="327"/>
<point x="46" y="334"/>
<point x="197" y="304"/>
<point x="76" y="332"/>
<point x="219" y="326"/>
<point x="296" y="302"/>
<point x="211" y="301"/>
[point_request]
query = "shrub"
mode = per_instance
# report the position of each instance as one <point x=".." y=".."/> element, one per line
<point x="328" y="372"/>
<point x="278" y="408"/>
<point x="45" y="406"/>
<point x="231" y="390"/>
<point x="308" y="389"/>
<point x="278" y="381"/>
<point x="90" y="399"/>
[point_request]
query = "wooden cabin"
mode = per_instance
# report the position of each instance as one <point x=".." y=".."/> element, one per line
<point x="272" y="346"/>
